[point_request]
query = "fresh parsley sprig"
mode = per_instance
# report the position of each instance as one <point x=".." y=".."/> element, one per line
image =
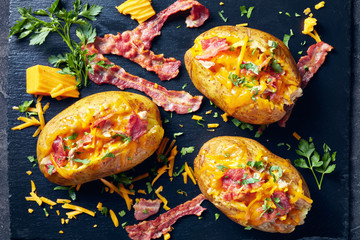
<point x="77" y="62"/>
<point x="313" y="160"/>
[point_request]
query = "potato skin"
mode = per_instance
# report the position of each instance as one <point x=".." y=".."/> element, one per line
<point x="250" y="111"/>
<point x="80" y="116"/>
<point x="239" y="145"/>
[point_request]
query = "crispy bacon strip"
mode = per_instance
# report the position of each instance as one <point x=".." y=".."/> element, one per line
<point x="147" y="230"/>
<point x="146" y="208"/>
<point x="212" y="46"/>
<point x="136" y="127"/>
<point x="59" y="153"/>
<point x="308" y="65"/>
<point x="135" y="44"/>
<point x="179" y="101"/>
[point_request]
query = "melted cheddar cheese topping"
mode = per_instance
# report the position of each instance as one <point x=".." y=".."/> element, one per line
<point x="250" y="206"/>
<point x="251" y="73"/>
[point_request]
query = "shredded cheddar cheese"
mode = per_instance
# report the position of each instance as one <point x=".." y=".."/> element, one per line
<point x="142" y="191"/>
<point x="48" y="201"/>
<point x="61" y="231"/>
<point x="73" y="214"/>
<point x="185" y="177"/>
<point x="36" y="198"/>
<point x="296" y="135"/>
<point x="197" y="118"/>
<point x="114" y="218"/>
<point x="77" y="208"/>
<point x="157" y="192"/>
<point x="242" y="25"/>
<point x="30" y="210"/>
<point x="59" y="200"/>
<point x="29" y="172"/>
<point x="208" y="112"/>
<point x="140" y="10"/>
<point x="224" y="117"/>
<point x="190" y="173"/>
<point x="320" y="5"/>
<point x="309" y="25"/>
<point x="213" y="125"/>
<point x="307" y="11"/>
<point x="142" y="176"/>
<point x="99" y="206"/>
<point x="121" y="191"/>
<point x="172" y="161"/>
<point x="160" y="172"/>
<point x="167" y="235"/>
<point x="58" y="212"/>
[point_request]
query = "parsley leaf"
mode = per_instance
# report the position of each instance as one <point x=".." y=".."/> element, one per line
<point x="61" y="21"/>
<point x="70" y="190"/>
<point x="108" y="155"/>
<point x="222" y="16"/>
<point x="217" y="215"/>
<point x="25" y="105"/>
<point x="178" y="134"/>
<point x="33" y="160"/>
<point x="313" y="160"/>
<point x="275" y="168"/>
<point x="186" y="150"/>
<point x="251" y="67"/>
<point x="83" y="161"/>
<point x="249" y="11"/>
<point x="122" y="213"/>
<point x="287" y="38"/>
<point x="175" y="174"/>
<point x="255" y="164"/>
<point x="221" y="167"/>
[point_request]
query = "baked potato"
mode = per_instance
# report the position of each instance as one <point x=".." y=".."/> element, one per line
<point x="248" y="73"/>
<point x="99" y="135"/>
<point x="251" y="185"/>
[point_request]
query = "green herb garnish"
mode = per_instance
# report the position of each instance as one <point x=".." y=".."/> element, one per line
<point x="178" y="134"/>
<point x="149" y="187"/>
<point x="275" y="168"/>
<point x="104" y="211"/>
<point x="175" y="174"/>
<point x="221" y="167"/>
<point x="222" y="16"/>
<point x="276" y="66"/>
<point x="33" y="160"/>
<point x="23" y="107"/>
<point x="122" y="213"/>
<point x="76" y="63"/>
<point x="249" y="11"/>
<point x="83" y="161"/>
<point x="287" y="38"/>
<point x="184" y="86"/>
<point x="186" y="150"/>
<point x="255" y="164"/>
<point x="314" y="162"/>
<point x="70" y="190"/>
<point x="217" y="215"/>
<point x="73" y="137"/>
<point x="108" y="155"/>
<point x="124" y="138"/>
<point x="266" y="207"/>
<point x="251" y="67"/>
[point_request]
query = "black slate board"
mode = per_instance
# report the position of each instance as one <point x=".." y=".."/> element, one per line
<point x="322" y="113"/>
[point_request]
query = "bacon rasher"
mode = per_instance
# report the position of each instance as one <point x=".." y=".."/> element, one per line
<point x="179" y="101"/>
<point x="308" y="65"/>
<point x="135" y="44"/>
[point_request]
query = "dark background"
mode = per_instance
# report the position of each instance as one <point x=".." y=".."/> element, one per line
<point x="322" y="220"/>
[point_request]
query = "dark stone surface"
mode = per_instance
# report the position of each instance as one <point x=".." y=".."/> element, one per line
<point x="355" y="125"/>
<point x="4" y="191"/>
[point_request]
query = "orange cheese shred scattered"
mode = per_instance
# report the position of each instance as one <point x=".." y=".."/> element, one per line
<point x="142" y="176"/>
<point x="48" y="201"/>
<point x="77" y="208"/>
<point x="142" y="191"/>
<point x="190" y="172"/>
<point x="36" y="198"/>
<point x="29" y="172"/>
<point x="320" y="5"/>
<point x="213" y="125"/>
<point x="59" y="200"/>
<point x="185" y="177"/>
<point x="296" y="135"/>
<point x="114" y="218"/>
<point x="30" y="210"/>
<point x="73" y="214"/>
<point x="172" y="161"/>
<point x="160" y="172"/>
<point x="163" y="199"/>
<point x="167" y="235"/>
<point x="197" y="117"/>
<point x="121" y="191"/>
<point x="99" y="206"/>
<point x="224" y="117"/>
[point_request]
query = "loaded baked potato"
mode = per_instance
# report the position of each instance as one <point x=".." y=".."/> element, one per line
<point x="100" y="135"/>
<point x="248" y="73"/>
<point x="251" y="185"/>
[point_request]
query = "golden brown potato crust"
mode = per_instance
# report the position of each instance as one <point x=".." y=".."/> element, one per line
<point x="79" y="116"/>
<point x="251" y="112"/>
<point x="205" y="179"/>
